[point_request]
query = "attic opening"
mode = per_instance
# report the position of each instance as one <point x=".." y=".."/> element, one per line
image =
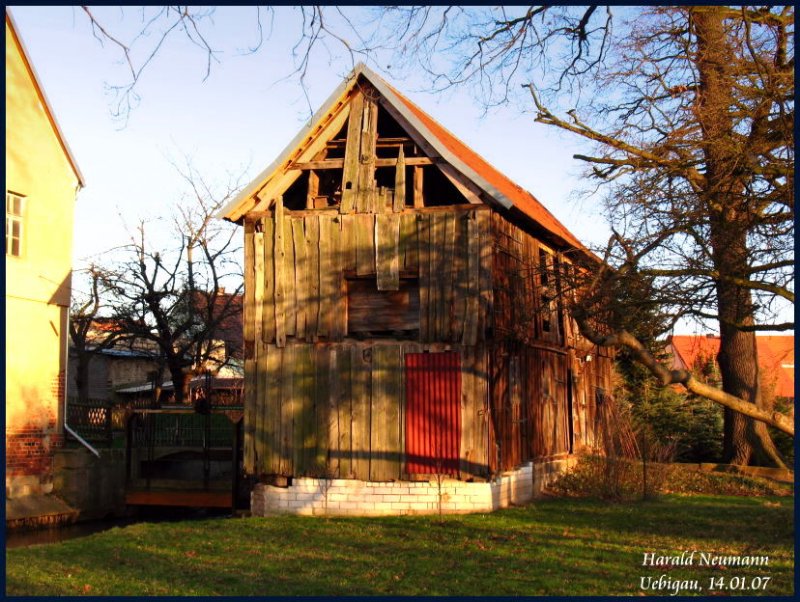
<point x="314" y="189"/>
<point x="320" y="184"/>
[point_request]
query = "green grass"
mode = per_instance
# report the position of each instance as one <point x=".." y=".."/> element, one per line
<point x="552" y="547"/>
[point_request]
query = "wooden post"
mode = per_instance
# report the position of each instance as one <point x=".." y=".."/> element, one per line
<point x="280" y="294"/>
<point x="400" y="182"/>
<point x="313" y="189"/>
<point x="351" y="154"/>
<point x="300" y="277"/>
<point x="258" y="282"/>
<point x="418" y="201"/>
<point x="268" y="281"/>
<point x="365" y="200"/>
<point x="387" y="247"/>
<point x="312" y="275"/>
<point x="249" y="327"/>
<point x="385" y="450"/>
<point x="361" y="395"/>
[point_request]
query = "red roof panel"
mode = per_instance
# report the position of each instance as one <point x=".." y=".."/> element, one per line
<point x="775" y="357"/>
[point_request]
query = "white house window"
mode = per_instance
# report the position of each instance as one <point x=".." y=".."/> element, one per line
<point x="14" y="209"/>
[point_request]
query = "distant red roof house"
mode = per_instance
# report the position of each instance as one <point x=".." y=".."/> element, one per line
<point x="775" y="357"/>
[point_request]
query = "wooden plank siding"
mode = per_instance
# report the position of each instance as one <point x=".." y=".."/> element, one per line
<point x="300" y="266"/>
<point x="336" y="410"/>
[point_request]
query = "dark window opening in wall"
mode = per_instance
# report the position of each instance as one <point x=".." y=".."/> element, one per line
<point x="318" y="189"/>
<point x="439" y="191"/>
<point x="374" y="313"/>
<point x="329" y="191"/>
<point x="388" y="127"/>
<point x="294" y="198"/>
<point x="385" y="177"/>
<point x="335" y="148"/>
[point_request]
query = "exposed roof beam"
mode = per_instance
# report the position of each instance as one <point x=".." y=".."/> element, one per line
<point x="339" y="163"/>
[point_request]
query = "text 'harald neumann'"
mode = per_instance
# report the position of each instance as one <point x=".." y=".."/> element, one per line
<point x="688" y="558"/>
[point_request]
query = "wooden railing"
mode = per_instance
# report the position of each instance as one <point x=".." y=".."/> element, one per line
<point x="179" y="428"/>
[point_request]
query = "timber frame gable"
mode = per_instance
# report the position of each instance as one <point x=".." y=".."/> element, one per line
<point x="366" y="93"/>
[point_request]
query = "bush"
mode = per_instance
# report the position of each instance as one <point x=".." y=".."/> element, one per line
<point x="588" y="479"/>
<point x="693" y="425"/>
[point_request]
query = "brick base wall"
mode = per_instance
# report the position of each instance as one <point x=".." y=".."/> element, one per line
<point x="29" y="461"/>
<point x="308" y="496"/>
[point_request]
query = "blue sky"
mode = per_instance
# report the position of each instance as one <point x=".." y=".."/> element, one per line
<point x="239" y="119"/>
<point x="236" y="121"/>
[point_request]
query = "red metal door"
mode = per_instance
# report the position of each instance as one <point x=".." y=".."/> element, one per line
<point x="433" y="412"/>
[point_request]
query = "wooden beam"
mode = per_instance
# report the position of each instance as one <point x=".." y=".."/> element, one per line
<point x="468" y="189"/>
<point x="381" y="142"/>
<point x="365" y="195"/>
<point x="179" y="497"/>
<point x="332" y="211"/>
<point x="339" y="163"/>
<point x="283" y="177"/>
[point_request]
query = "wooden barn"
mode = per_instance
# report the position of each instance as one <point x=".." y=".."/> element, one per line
<point x="401" y="312"/>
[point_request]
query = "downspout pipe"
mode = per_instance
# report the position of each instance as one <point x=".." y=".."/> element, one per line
<point x="67" y="428"/>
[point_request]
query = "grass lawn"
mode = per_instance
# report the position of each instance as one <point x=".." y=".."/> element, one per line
<point x="552" y="547"/>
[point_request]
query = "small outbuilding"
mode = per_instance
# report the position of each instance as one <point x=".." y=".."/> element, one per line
<point x="405" y="344"/>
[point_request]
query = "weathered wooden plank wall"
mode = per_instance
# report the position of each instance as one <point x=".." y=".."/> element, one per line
<point x="337" y="410"/>
<point x="518" y="309"/>
<point x="302" y="262"/>
<point x="592" y="377"/>
<point x="542" y="396"/>
<point x="530" y="404"/>
<point x="336" y="404"/>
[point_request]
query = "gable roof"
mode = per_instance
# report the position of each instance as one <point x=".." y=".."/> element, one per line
<point x="43" y="98"/>
<point x="498" y="188"/>
<point x="775" y="357"/>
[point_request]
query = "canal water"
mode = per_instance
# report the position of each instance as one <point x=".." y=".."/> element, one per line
<point x="33" y="537"/>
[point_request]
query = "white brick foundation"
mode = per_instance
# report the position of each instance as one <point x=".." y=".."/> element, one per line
<point x="310" y="496"/>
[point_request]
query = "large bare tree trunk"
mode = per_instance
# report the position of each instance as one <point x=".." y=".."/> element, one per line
<point x="738" y="357"/>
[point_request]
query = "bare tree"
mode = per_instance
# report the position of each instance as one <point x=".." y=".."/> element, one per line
<point x="89" y="333"/>
<point x="177" y="297"/>
<point x="690" y="112"/>
<point x="319" y="29"/>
